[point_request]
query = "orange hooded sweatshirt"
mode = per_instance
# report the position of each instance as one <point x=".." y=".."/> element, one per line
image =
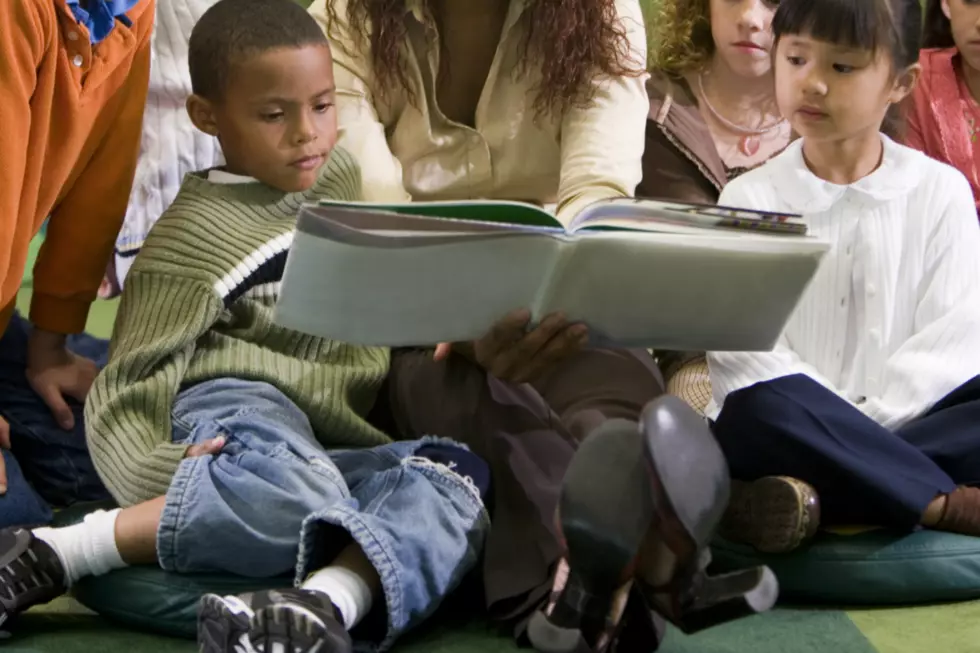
<point x="70" y="121"/>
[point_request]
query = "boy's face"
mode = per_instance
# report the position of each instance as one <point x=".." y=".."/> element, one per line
<point x="275" y="120"/>
<point x="833" y="93"/>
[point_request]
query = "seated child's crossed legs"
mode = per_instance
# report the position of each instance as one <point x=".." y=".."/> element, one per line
<point x="401" y="523"/>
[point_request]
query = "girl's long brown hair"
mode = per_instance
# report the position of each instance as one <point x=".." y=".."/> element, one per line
<point x="680" y="36"/>
<point x="571" y="41"/>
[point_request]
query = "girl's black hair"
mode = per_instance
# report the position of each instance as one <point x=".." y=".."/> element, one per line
<point x="862" y="24"/>
<point x="895" y="25"/>
<point x="937" y="32"/>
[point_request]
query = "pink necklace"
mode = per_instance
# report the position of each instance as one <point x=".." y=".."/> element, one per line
<point x="751" y="138"/>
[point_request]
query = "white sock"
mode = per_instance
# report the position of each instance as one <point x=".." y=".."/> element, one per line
<point x="87" y="548"/>
<point x="346" y="589"/>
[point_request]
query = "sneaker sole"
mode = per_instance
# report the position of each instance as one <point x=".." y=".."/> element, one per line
<point x="221" y="629"/>
<point x="288" y="628"/>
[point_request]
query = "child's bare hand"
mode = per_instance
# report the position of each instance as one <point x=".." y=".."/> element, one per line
<point x="54" y="373"/>
<point x="512" y="353"/>
<point x="206" y="448"/>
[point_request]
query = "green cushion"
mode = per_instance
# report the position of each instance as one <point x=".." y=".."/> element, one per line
<point x="151" y="599"/>
<point x="874" y="567"/>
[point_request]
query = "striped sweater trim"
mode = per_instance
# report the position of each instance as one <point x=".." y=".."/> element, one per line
<point x="263" y="266"/>
<point x="249" y="226"/>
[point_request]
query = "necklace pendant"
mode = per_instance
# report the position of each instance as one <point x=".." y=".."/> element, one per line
<point x="749" y="145"/>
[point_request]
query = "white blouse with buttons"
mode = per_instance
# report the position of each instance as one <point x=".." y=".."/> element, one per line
<point x="891" y="321"/>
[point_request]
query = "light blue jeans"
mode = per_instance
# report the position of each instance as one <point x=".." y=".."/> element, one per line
<point x="273" y="500"/>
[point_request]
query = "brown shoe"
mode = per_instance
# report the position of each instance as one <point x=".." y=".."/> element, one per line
<point x="774" y="514"/>
<point x="962" y="512"/>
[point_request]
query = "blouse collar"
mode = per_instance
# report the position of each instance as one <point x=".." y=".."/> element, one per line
<point x="805" y="192"/>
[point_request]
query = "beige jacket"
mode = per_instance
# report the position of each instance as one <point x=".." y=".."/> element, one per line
<point x="405" y="151"/>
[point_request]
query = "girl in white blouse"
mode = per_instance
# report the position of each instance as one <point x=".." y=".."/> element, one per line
<point x="868" y="409"/>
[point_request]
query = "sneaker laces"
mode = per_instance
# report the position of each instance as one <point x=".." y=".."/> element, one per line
<point x="21" y="576"/>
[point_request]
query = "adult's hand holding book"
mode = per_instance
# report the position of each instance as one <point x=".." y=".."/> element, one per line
<point x="516" y="352"/>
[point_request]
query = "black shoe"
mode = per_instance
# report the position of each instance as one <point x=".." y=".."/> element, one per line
<point x="642" y="629"/>
<point x="288" y="620"/>
<point x="30" y="573"/>
<point x="642" y="501"/>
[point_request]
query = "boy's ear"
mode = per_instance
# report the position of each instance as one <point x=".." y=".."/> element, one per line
<point x="944" y="4"/>
<point x="201" y="112"/>
<point x="905" y="83"/>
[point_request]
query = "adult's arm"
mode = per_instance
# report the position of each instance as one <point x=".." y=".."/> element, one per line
<point x="361" y="131"/>
<point x="602" y="144"/>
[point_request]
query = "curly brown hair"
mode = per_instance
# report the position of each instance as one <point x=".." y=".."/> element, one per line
<point x="680" y="35"/>
<point x="574" y="40"/>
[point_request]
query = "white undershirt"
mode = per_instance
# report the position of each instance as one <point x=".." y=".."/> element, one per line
<point x="218" y="176"/>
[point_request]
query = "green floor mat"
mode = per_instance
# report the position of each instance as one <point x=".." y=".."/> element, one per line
<point x="951" y="629"/>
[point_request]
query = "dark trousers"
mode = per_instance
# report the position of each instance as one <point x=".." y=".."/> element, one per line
<point x="47" y="465"/>
<point x="863" y="472"/>
<point x="527" y="434"/>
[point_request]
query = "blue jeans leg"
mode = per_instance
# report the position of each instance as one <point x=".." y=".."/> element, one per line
<point x="55" y="464"/>
<point x="244" y="509"/>
<point x="21" y="505"/>
<point x="420" y="524"/>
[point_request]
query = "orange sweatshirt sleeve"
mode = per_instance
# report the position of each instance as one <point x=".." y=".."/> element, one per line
<point x="83" y="228"/>
<point x="21" y="47"/>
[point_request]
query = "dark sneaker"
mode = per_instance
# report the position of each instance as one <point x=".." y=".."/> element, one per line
<point x="774" y="514"/>
<point x="287" y="621"/>
<point x="30" y="573"/>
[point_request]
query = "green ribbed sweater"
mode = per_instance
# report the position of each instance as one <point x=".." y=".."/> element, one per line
<point x="197" y="305"/>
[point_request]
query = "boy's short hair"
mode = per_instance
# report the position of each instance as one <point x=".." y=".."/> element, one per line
<point x="233" y="30"/>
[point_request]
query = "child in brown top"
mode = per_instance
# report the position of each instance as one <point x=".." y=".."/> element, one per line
<point x="712" y="116"/>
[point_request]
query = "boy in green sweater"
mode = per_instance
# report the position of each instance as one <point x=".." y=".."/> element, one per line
<point x="212" y="424"/>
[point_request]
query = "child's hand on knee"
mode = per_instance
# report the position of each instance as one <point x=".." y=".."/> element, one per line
<point x="55" y="373"/>
<point x="207" y="448"/>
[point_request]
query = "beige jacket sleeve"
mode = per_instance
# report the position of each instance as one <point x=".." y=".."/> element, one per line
<point x="602" y="145"/>
<point x="361" y="130"/>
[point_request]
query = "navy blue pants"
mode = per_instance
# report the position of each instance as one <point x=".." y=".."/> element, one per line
<point x="47" y="465"/>
<point x="863" y="472"/>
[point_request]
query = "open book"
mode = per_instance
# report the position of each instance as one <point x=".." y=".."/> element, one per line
<point x="639" y="273"/>
<point x="621" y="213"/>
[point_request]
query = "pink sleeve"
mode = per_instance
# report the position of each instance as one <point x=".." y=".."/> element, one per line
<point x="913" y="127"/>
